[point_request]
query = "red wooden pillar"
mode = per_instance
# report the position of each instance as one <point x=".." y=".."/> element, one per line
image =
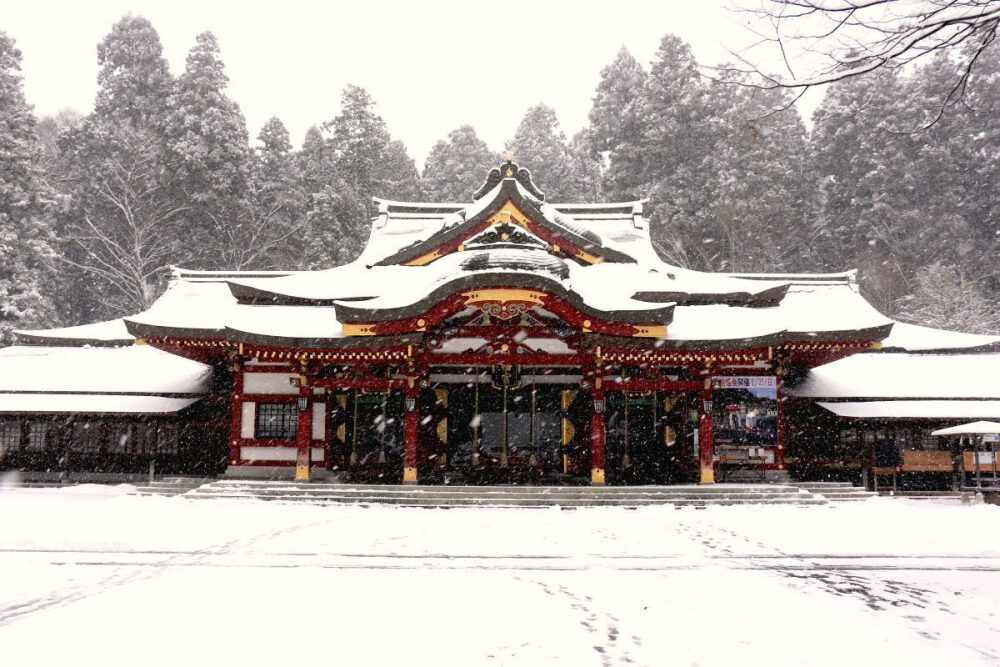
<point x="236" y="424"/>
<point x="598" y="436"/>
<point x="411" y="432"/>
<point x="303" y="435"/>
<point x="706" y="442"/>
<point x="779" y="458"/>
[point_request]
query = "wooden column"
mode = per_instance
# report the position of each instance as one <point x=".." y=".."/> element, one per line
<point x="236" y="424"/>
<point x="411" y="432"/>
<point x="779" y="458"/>
<point x="303" y="435"/>
<point x="705" y="436"/>
<point x="598" y="436"/>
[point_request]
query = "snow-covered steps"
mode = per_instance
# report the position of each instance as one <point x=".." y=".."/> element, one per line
<point x="172" y="486"/>
<point x="836" y="490"/>
<point x="509" y="496"/>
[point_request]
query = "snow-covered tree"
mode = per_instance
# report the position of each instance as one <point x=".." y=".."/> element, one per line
<point x="540" y="145"/>
<point x="25" y="233"/>
<point x="121" y="227"/>
<point x="366" y="156"/>
<point x="207" y="148"/>
<point x="133" y="80"/>
<point x="359" y="160"/>
<point x="944" y="297"/>
<point x="271" y="234"/>
<point x="456" y="167"/>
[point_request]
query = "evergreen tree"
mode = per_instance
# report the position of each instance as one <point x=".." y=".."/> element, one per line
<point x="893" y="200"/>
<point x="209" y="153"/>
<point x="121" y="229"/>
<point x="315" y="161"/>
<point x="273" y="233"/>
<point x="25" y="234"/>
<point x="133" y="80"/>
<point x="540" y="145"/>
<point x="342" y="174"/>
<point x="366" y="156"/>
<point x="613" y="115"/>
<point x="456" y="167"/>
<point x="727" y="192"/>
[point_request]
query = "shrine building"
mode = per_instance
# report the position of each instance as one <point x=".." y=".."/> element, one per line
<point x="506" y="340"/>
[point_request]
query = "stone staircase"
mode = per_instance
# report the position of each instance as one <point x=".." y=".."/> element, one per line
<point x="508" y="496"/>
<point x="836" y="490"/>
<point x="173" y="486"/>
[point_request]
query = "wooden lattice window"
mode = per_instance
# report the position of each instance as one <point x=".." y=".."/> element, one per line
<point x="277" y="421"/>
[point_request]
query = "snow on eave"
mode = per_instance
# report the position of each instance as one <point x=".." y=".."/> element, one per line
<point x="202" y="275"/>
<point x="385" y="204"/>
<point x="93" y="404"/>
<point x="135" y="369"/>
<point x="903" y="375"/>
<point x="845" y="277"/>
<point x="928" y="409"/>
<point x="107" y="333"/>
<point x="916" y="338"/>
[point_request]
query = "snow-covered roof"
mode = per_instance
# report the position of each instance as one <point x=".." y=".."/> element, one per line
<point x="137" y="369"/>
<point x="974" y="427"/>
<point x="93" y="403"/>
<point x="914" y="338"/>
<point x="111" y="332"/>
<point x="914" y="409"/>
<point x="193" y="301"/>
<point x="905" y="375"/>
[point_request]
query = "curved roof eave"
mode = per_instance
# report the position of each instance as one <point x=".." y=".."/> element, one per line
<point x="354" y="311"/>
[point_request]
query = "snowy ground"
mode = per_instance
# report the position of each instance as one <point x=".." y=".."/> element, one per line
<point x="91" y="576"/>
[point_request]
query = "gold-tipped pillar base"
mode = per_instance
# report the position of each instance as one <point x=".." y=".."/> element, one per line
<point x="597" y="477"/>
<point x="409" y="475"/>
<point x="301" y="473"/>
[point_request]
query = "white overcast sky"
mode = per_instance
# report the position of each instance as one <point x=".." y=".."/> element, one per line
<point x="431" y="66"/>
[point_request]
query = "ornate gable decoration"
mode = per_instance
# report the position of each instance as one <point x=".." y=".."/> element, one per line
<point x="517" y="216"/>
<point x="506" y="234"/>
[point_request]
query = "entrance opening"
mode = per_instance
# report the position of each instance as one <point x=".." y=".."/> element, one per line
<point x="645" y="437"/>
<point x="502" y="434"/>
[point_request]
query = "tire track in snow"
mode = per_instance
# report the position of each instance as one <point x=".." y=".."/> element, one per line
<point x="127" y="573"/>
<point x="878" y="595"/>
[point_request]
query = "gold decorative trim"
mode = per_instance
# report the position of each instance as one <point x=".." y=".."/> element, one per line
<point x="651" y="331"/>
<point x="707" y="476"/>
<point x="410" y="475"/>
<point x="597" y="476"/>
<point x="301" y="473"/>
<point x="425" y="259"/>
<point x="509" y="213"/>
<point x="355" y="329"/>
<point x="504" y="295"/>
<point x="442" y="396"/>
<point x="568" y="431"/>
<point x="442" y="431"/>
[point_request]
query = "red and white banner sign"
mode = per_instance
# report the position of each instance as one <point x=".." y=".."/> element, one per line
<point x="744" y="381"/>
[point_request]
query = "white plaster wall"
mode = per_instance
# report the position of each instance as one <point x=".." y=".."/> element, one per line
<point x="319" y="421"/>
<point x="253" y="453"/>
<point x="249" y="415"/>
<point x="269" y="383"/>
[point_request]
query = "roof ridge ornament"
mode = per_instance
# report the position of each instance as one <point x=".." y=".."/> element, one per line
<point x="509" y="170"/>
